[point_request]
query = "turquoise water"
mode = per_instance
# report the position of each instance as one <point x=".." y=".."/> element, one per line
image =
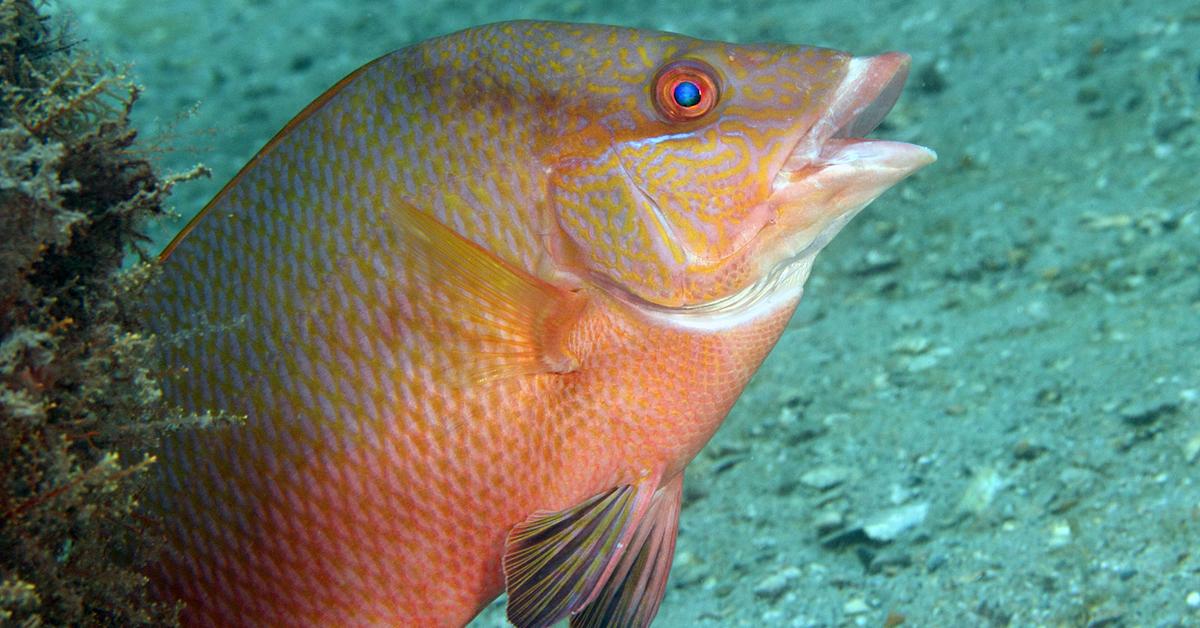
<point x="987" y="409"/>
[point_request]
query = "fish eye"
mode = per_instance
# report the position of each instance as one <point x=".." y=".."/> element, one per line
<point x="685" y="90"/>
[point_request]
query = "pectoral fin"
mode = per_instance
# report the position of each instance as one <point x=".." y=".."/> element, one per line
<point x="502" y="320"/>
<point x="632" y="594"/>
<point x="555" y="562"/>
<point x="603" y="562"/>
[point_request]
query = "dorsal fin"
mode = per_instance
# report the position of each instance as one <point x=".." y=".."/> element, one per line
<point x="267" y="148"/>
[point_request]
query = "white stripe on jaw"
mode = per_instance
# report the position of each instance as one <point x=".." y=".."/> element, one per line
<point x="780" y="288"/>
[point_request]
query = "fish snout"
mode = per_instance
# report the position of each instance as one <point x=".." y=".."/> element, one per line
<point x="834" y="171"/>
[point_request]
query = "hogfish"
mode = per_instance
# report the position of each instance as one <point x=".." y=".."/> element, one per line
<point x="480" y="304"/>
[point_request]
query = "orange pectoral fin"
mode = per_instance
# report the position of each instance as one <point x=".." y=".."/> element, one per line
<point x="503" y="320"/>
<point x="603" y="562"/>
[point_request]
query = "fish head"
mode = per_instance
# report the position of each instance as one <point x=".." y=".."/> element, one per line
<point x="701" y="178"/>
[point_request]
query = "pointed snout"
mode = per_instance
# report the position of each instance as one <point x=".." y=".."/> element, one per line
<point x="834" y="171"/>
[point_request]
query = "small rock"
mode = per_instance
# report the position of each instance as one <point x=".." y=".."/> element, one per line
<point x="1105" y="617"/>
<point x="889" y="562"/>
<point x="931" y="77"/>
<point x="900" y="494"/>
<point x="982" y="491"/>
<point x="865" y="555"/>
<point x="1077" y="477"/>
<point x="688" y="571"/>
<point x="777" y="583"/>
<point x="874" y="262"/>
<point x="1049" y="395"/>
<point x="844" y="538"/>
<point x="1193" y="599"/>
<point x="827" y="521"/>
<point x="826" y="477"/>
<point x="856" y="606"/>
<point x="772" y="617"/>
<point x="1191" y="449"/>
<point x="1060" y="534"/>
<point x="786" y="487"/>
<point x="912" y="345"/>
<point x="1027" y="451"/>
<point x="724" y="464"/>
<point x="890" y="524"/>
<point x="1141" y="414"/>
<point x="923" y="362"/>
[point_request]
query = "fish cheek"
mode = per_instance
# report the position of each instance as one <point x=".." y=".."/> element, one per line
<point x="613" y="230"/>
<point x="710" y="184"/>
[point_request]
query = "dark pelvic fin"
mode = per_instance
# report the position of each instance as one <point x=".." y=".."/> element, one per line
<point x="555" y="562"/>
<point x="632" y="594"/>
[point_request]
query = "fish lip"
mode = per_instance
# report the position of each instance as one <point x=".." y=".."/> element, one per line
<point x="832" y="173"/>
<point x="868" y="91"/>
<point x="837" y="140"/>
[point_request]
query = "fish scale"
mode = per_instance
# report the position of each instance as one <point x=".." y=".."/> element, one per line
<point x="480" y="304"/>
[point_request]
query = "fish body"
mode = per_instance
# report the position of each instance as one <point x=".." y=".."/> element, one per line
<point x="480" y="304"/>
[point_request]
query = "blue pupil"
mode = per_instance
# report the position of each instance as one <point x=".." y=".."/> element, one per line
<point x="686" y="94"/>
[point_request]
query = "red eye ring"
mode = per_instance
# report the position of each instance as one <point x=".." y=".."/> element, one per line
<point x="681" y="80"/>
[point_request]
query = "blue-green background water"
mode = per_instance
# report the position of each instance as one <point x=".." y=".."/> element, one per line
<point x="987" y="410"/>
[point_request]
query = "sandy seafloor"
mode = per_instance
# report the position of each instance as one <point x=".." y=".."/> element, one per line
<point x="986" y="411"/>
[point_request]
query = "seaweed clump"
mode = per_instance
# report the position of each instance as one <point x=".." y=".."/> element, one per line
<point x="77" y="395"/>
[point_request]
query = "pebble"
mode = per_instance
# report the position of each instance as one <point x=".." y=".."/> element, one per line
<point x="912" y="345"/>
<point x="845" y="538"/>
<point x="923" y="362"/>
<point x="826" y="477"/>
<point x="1193" y="599"/>
<point x="1143" y="413"/>
<point x="772" y="617"/>
<point x="1191" y="449"/>
<point x="688" y="570"/>
<point x="876" y="262"/>
<point x="889" y="562"/>
<point x="777" y="583"/>
<point x="899" y="494"/>
<point x="890" y="524"/>
<point x="1060" y="534"/>
<point x="826" y="521"/>
<point x="856" y="606"/>
<point x="985" y="485"/>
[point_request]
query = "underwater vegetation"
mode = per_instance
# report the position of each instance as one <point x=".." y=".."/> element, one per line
<point x="80" y="409"/>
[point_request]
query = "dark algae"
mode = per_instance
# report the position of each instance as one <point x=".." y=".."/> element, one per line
<point x="79" y="404"/>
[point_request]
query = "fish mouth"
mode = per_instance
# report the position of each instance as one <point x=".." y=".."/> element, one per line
<point x="832" y="172"/>
<point x="867" y="92"/>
